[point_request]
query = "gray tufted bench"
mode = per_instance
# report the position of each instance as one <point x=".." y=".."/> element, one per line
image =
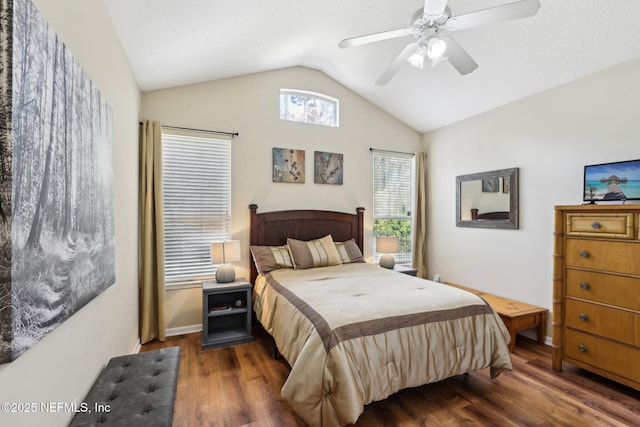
<point x="133" y="390"/>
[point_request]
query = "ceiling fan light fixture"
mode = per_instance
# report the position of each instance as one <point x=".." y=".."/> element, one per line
<point x="417" y="59"/>
<point x="436" y="48"/>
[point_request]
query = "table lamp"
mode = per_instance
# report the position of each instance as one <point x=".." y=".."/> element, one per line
<point x="387" y="245"/>
<point x="225" y="253"/>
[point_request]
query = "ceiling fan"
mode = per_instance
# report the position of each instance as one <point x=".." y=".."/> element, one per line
<point x="431" y="25"/>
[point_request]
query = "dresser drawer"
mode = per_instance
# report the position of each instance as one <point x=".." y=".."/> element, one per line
<point x="606" y="225"/>
<point x="603" y="255"/>
<point x="619" y="325"/>
<point x="605" y="288"/>
<point x="610" y="356"/>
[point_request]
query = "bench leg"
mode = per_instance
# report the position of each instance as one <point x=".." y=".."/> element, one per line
<point x="542" y="328"/>
<point x="512" y="332"/>
<point x="512" y="343"/>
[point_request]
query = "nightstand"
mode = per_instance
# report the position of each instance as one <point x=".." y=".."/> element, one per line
<point x="405" y="270"/>
<point x="226" y="313"/>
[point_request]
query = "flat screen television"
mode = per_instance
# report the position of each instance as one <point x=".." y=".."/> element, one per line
<point x="612" y="181"/>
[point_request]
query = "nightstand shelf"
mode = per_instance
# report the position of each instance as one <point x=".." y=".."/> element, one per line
<point x="226" y="313"/>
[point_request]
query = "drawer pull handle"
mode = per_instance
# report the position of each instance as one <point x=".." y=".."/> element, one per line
<point x="584" y="285"/>
<point x="584" y="254"/>
<point x="582" y="348"/>
<point x="595" y="225"/>
<point x="583" y="316"/>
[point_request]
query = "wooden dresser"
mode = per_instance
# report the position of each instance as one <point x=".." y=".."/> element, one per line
<point x="596" y="290"/>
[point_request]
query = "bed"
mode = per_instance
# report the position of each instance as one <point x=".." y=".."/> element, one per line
<point x="353" y="332"/>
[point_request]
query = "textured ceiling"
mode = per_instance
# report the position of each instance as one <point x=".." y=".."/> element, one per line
<point x="171" y="43"/>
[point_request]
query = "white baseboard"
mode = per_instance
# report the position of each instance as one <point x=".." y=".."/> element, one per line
<point x="182" y="330"/>
<point x="136" y="347"/>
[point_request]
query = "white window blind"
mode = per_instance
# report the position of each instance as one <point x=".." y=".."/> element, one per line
<point x="393" y="200"/>
<point x="196" y="184"/>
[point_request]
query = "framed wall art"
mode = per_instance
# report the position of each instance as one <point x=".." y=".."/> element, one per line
<point x="288" y="165"/>
<point x="56" y="182"/>
<point x="490" y="185"/>
<point x="327" y="168"/>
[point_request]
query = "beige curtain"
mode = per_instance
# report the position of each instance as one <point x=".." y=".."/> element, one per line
<point x="420" y="217"/>
<point x="152" y="290"/>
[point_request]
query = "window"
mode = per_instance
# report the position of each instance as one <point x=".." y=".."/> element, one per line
<point x="393" y="200"/>
<point x="308" y="107"/>
<point x="196" y="183"/>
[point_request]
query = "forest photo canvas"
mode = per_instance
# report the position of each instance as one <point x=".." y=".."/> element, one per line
<point x="56" y="182"/>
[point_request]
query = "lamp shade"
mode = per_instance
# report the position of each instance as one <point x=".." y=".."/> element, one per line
<point x="387" y="244"/>
<point x="225" y="252"/>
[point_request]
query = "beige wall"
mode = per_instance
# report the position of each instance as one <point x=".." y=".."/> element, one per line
<point x="550" y="137"/>
<point x="250" y="105"/>
<point x="63" y="366"/>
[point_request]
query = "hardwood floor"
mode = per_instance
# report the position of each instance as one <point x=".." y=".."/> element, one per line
<point x="240" y="386"/>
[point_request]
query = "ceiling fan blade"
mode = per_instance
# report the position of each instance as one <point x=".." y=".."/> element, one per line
<point x="396" y="64"/>
<point x="434" y="7"/>
<point x="458" y="57"/>
<point x="517" y="10"/>
<point x="371" y="38"/>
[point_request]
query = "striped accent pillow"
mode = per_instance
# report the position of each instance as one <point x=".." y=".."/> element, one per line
<point x="269" y="258"/>
<point x="349" y="252"/>
<point x="313" y="253"/>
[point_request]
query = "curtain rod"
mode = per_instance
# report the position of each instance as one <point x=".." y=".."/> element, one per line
<point x="231" y="134"/>
<point x="375" y="150"/>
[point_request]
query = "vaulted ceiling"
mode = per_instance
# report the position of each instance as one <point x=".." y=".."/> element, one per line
<point x="172" y="43"/>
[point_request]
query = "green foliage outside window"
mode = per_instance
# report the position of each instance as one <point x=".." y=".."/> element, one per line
<point x="395" y="227"/>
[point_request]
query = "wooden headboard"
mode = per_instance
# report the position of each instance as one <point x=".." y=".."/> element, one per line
<point x="273" y="228"/>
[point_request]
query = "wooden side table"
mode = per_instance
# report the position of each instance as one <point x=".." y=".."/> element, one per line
<point x="226" y="313"/>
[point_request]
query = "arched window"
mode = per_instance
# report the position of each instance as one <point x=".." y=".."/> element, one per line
<point x="308" y="107"/>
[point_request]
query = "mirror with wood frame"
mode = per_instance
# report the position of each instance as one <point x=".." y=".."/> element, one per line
<point x="487" y="199"/>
